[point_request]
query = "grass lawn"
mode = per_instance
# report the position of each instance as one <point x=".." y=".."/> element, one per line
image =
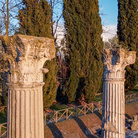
<point x="135" y="90"/>
<point x="57" y="106"/>
<point x="98" y="98"/>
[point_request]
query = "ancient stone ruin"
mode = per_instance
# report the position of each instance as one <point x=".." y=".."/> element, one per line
<point x="26" y="56"/>
<point x="134" y="123"/>
<point x="113" y="118"/>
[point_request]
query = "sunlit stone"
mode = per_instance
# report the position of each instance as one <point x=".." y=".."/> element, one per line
<point x="113" y="118"/>
<point x="26" y="56"/>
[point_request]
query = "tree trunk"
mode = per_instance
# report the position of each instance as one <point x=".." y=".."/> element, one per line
<point x="7" y="23"/>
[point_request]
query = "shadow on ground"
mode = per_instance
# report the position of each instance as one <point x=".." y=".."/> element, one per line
<point x="98" y="114"/>
<point x="55" y="131"/>
<point x="128" y="117"/>
<point x="84" y="129"/>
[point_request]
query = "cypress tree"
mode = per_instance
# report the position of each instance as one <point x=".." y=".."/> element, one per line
<point x="35" y="19"/>
<point x="128" y="35"/>
<point x="51" y="84"/>
<point x="3" y="78"/>
<point x="84" y="43"/>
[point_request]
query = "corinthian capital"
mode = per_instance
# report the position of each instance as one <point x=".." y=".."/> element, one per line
<point x="115" y="62"/>
<point x="26" y="56"/>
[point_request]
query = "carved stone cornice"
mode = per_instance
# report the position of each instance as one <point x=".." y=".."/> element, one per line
<point x="27" y="55"/>
<point x="115" y="62"/>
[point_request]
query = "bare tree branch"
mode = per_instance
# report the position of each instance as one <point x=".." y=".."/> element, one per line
<point x="8" y="12"/>
<point x="57" y="24"/>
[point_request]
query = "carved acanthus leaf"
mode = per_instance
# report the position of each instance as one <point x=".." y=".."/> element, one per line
<point x="27" y="55"/>
<point x="115" y="62"/>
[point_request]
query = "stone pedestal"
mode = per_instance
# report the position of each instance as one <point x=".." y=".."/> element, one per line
<point x="26" y="56"/>
<point x="113" y="117"/>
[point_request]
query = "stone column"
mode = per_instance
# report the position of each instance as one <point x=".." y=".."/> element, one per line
<point x="113" y="117"/>
<point x="26" y="56"/>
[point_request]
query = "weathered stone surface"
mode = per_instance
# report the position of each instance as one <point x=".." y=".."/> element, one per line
<point x="113" y="120"/>
<point x="134" y="125"/>
<point x="26" y="56"/>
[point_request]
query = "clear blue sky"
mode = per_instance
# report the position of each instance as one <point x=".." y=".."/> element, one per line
<point x="108" y="11"/>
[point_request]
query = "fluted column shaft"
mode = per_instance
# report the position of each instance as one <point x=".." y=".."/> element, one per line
<point x="25" y="111"/>
<point x="113" y="117"/>
<point x="114" y="109"/>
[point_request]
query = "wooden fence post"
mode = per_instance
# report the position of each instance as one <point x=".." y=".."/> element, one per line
<point x="92" y="107"/>
<point x="56" y="116"/>
<point x="85" y="109"/>
<point x="66" y="114"/>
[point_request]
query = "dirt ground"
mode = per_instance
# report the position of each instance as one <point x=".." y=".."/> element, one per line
<point x="83" y="127"/>
<point x="131" y="109"/>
